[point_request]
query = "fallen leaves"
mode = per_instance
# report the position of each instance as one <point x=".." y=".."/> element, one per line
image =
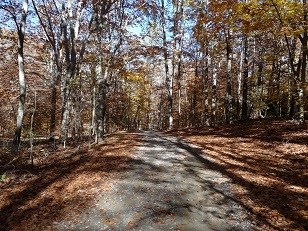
<point x="63" y="184"/>
<point x="268" y="164"/>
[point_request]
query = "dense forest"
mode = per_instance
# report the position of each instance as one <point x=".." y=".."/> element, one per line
<point x="86" y="68"/>
<point x="153" y="115"/>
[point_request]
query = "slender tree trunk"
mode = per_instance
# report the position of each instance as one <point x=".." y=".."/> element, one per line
<point x="244" y="116"/>
<point x="169" y="78"/>
<point x="239" y="82"/>
<point x="193" y="120"/>
<point x="55" y="78"/>
<point x="101" y="100"/>
<point x="93" y="120"/>
<point x="206" y="63"/>
<point x="66" y="109"/>
<point x="21" y="27"/>
<point x="228" y="103"/>
<point x="178" y="12"/>
<point x="278" y="92"/>
<point x="293" y="81"/>
<point x="206" y="120"/>
<point x="291" y="99"/>
<point x="304" y="40"/>
<point x="53" y="109"/>
<point x="214" y="95"/>
<point x="260" y="84"/>
<point x="31" y="129"/>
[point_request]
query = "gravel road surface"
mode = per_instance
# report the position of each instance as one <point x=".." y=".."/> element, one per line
<point x="168" y="186"/>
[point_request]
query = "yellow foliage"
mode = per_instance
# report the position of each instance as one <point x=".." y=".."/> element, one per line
<point x="134" y="76"/>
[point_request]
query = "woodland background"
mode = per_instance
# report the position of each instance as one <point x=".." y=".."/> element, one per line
<point x="86" y="68"/>
<point x="229" y="76"/>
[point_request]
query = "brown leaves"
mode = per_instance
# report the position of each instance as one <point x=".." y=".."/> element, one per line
<point x="267" y="162"/>
<point x="63" y="184"/>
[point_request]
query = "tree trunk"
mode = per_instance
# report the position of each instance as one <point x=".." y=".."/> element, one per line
<point x="214" y="95"/>
<point x="101" y="101"/>
<point x="53" y="109"/>
<point x="70" y="28"/>
<point x="244" y="116"/>
<point x="206" y="63"/>
<point x="239" y="82"/>
<point x="177" y="51"/>
<point x="55" y="78"/>
<point x="260" y="84"/>
<point x="169" y="78"/>
<point x="291" y="98"/>
<point x="21" y="27"/>
<point x="293" y="81"/>
<point x="304" y="40"/>
<point x="31" y="129"/>
<point x="55" y="65"/>
<point x="228" y="101"/>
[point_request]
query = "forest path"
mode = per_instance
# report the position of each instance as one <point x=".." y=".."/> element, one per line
<point x="168" y="187"/>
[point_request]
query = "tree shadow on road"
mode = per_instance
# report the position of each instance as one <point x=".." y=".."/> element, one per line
<point x="169" y="176"/>
<point x="267" y="163"/>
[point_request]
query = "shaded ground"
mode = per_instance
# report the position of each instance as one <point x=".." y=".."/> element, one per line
<point x="61" y="184"/>
<point x="162" y="184"/>
<point x="241" y="177"/>
<point x="268" y="164"/>
<point x="167" y="187"/>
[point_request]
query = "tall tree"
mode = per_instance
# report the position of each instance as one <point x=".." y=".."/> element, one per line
<point x="169" y="78"/>
<point x="294" y="19"/>
<point x="50" y="24"/>
<point x="178" y="34"/>
<point x="12" y="8"/>
<point x="110" y="25"/>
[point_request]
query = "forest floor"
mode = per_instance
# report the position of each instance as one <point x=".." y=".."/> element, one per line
<point x="239" y="177"/>
<point x="267" y="162"/>
<point x="62" y="182"/>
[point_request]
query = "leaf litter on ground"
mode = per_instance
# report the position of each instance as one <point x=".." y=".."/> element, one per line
<point x="63" y="182"/>
<point x="267" y="162"/>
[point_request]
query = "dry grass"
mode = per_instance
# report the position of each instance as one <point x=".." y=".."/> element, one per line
<point x="32" y="198"/>
<point x="268" y="165"/>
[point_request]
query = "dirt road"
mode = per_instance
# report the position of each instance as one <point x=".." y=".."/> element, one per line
<point x="169" y="186"/>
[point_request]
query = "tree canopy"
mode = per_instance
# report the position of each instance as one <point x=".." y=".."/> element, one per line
<point x="93" y="67"/>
